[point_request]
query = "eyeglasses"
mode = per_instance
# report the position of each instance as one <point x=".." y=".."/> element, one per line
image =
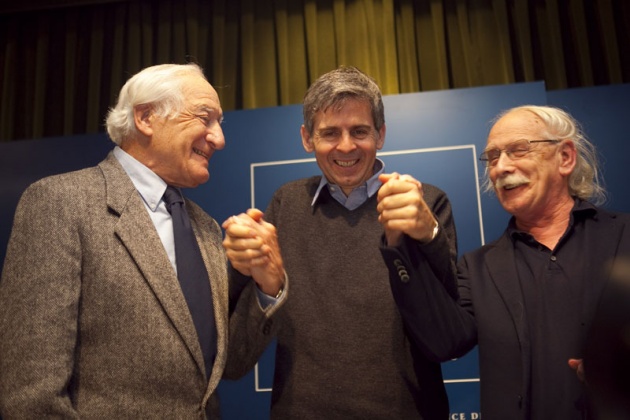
<point x="515" y="150"/>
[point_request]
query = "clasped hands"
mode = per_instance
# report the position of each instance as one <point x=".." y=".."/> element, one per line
<point x="402" y="209"/>
<point x="251" y="245"/>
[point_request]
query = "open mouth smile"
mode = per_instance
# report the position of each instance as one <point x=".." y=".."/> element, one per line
<point x="346" y="163"/>
<point x="200" y="153"/>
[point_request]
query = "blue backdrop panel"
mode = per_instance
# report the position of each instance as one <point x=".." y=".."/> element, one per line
<point x="425" y="164"/>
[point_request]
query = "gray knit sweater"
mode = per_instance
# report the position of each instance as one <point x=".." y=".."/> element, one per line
<point x="342" y="351"/>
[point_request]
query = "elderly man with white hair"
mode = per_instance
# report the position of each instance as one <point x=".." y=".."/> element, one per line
<point x="528" y="298"/>
<point x="114" y="294"/>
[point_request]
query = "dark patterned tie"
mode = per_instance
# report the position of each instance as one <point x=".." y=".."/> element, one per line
<point x="193" y="276"/>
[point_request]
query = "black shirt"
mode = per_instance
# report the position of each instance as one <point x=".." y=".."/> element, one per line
<point x="558" y="311"/>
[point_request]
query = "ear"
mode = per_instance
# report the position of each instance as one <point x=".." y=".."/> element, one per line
<point x="142" y="118"/>
<point x="380" y="142"/>
<point x="307" y="140"/>
<point x="568" y="157"/>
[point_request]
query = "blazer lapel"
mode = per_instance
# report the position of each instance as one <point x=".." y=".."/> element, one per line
<point x="602" y="244"/>
<point x="501" y="263"/>
<point x="138" y="234"/>
<point x="210" y="243"/>
<point x="502" y="266"/>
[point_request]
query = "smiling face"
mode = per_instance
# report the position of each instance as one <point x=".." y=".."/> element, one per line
<point x="345" y="142"/>
<point x="181" y="146"/>
<point x="533" y="185"/>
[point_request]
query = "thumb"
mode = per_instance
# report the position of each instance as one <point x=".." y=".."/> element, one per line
<point x="386" y="177"/>
<point x="255" y="214"/>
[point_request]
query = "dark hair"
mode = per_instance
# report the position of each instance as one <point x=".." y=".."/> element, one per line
<point x="335" y="87"/>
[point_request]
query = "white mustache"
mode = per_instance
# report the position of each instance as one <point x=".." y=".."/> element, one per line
<point x="510" y="181"/>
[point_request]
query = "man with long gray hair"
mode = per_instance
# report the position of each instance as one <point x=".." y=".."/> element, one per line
<point x="528" y="298"/>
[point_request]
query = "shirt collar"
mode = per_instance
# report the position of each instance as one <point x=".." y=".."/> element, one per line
<point x="581" y="210"/>
<point x="150" y="186"/>
<point x="370" y="187"/>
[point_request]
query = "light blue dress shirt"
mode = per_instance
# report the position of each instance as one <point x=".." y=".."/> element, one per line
<point x="151" y="188"/>
<point x="359" y="195"/>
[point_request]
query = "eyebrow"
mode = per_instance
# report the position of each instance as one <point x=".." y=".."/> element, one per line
<point x="204" y="108"/>
<point x="336" y="127"/>
<point x="210" y="111"/>
<point x="495" y="147"/>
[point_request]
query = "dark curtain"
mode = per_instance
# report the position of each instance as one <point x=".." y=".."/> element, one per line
<point x="62" y="62"/>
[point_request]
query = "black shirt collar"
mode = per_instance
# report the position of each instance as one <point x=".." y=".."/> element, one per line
<point x="581" y="210"/>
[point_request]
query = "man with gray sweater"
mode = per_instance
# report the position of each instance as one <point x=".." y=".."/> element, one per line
<point x="342" y="349"/>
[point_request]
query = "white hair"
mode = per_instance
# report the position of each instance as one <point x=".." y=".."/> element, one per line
<point x="161" y="86"/>
<point x="585" y="182"/>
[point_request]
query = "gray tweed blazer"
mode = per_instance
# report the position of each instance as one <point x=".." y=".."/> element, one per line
<point x="93" y="323"/>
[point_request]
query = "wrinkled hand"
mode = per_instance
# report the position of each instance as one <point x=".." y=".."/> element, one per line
<point x="578" y="366"/>
<point x="402" y="209"/>
<point x="251" y="245"/>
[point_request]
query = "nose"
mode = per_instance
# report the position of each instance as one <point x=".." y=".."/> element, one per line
<point x="215" y="137"/>
<point x="504" y="162"/>
<point x="503" y="166"/>
<point x="346" y="143"/>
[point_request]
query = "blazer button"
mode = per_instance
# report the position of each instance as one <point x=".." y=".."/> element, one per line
<point x="267" y="327"/>
<point x="402" y="273"/>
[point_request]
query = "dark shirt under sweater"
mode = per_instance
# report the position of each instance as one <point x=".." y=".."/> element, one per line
<point x="342" y="352"/>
